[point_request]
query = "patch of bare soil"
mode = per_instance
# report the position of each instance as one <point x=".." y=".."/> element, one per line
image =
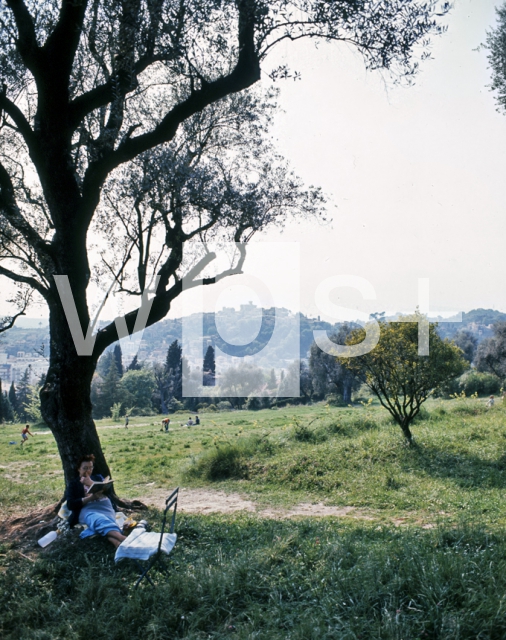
<point x="208" y="501"/>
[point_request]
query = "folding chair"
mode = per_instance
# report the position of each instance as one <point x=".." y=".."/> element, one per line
<point x="149" y="546"/>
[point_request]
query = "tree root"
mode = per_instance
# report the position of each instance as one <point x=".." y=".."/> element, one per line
<point x="26" y="530"/>
<point x="130" y="505"/>
<point x="31" y="527"/>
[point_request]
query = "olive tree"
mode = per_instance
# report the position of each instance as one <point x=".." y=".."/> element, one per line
<point x="96" y="99"/>
<point x="401" y="379"/>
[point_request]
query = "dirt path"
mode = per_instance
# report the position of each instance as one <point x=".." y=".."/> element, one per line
<point x="209" y="501"/>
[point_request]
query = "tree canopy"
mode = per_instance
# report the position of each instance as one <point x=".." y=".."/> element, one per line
<point x="127" y="118"/>
<point x="496" y="44"/>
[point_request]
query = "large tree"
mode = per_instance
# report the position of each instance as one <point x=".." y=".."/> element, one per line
<point x="95" y="97"/>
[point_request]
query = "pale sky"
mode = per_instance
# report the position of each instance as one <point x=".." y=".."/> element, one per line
<point x="417" y="173"/>
<point x="414" y="175"/>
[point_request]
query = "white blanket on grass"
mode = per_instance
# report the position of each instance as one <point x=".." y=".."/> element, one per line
<point x="142" y="544"/>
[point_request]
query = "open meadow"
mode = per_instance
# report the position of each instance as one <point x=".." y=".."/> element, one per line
<point x="417" y="551"/>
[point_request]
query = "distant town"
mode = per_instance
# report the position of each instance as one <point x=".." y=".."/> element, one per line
<point x="26" y="347"/>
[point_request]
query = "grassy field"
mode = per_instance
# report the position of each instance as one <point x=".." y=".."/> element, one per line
<point x="422" y="556"/>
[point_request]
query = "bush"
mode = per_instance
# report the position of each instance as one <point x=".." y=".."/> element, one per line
<point x="227" y="461"/>
<point x="230" y="460"/>
<point x="224" y="405"/>
<point x="484" y="384"/>
<point x="335" y="400"/>
<point x="174" y="405"/>
<point x="254" y="404"/>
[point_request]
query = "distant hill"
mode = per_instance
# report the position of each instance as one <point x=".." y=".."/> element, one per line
<point x="157" y="338"/>
<point x="477" y="321"/>
<point x="483" y="316"/>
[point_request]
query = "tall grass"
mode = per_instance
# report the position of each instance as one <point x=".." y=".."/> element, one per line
<point x="246" y="578"/>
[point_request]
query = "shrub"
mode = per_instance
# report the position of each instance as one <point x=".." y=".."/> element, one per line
<point x="224" y="405"/>
<point x="335" y="400"/>
<point x="230" y="460"/>
<point x="483" y="384"/>
<point x="254" y="404"/>
<point x="174" y="405"/>
<point x="221" y="463"/>
<point x="116" y="410"/>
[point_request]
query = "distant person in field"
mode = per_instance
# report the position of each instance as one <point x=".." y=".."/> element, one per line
<point x="24" y="434"/>
<point x="197" y="420"/>
<point x="490" y="402"/>
<point x="166" y="423"/>
<point x="126" y="422"/>
<point x="190" y="422"/>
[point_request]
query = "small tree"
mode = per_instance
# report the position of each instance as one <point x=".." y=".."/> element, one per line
<point x="31" y="406"/>
<point x="400" y="378"/>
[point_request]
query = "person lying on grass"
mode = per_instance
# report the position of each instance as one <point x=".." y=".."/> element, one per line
<point x="92" y="509"/>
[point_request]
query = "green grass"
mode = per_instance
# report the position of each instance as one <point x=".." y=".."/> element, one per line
<point x="352" y="456"/>
<point x="243" y="578"/>
<point x="423" y="555"/>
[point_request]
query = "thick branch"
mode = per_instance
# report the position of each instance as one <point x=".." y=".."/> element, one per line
<point x="162" y="300"/>
<point x="62" y="44"/>
<point x="27" y="41"/>
<point x="103" y="94"/>
<point x="245" y="73"/>
<point x="16" y="277"/>
<point x="17" y="116"/>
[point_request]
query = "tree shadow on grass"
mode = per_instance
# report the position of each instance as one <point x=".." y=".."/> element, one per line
<point x="467" y="470"/>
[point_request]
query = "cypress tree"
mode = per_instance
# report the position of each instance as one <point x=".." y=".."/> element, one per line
<point x="209" y="368"/>
<point x="22" y="393"/>
<point x="118" y="357"/>
<point x="13" y="398"/>
<point x="8" y="412"/>
<point x="134" y="365"/>
<point x="173" y="372"/>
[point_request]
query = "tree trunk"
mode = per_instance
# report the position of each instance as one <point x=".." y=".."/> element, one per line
<point x="65" y="399"/>
<point x="406" y="431"/>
